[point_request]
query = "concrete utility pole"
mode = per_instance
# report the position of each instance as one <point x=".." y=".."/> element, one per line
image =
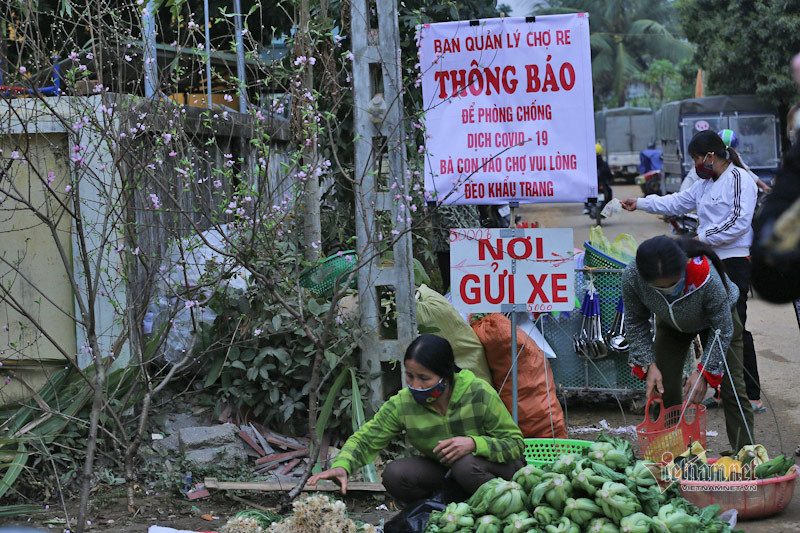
<point x="380" y="135"/>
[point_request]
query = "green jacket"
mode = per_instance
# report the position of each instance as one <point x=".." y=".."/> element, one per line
<point x="475" y="410"/>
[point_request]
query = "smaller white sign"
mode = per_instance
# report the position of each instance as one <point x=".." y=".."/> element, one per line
<point x="492" y="269"/>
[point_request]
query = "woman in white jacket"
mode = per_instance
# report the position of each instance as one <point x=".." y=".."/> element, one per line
<point x="725" y="200"/>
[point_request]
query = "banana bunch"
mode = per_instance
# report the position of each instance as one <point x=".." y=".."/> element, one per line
<point x="636" y="523"/>
<point x="454" y="517"/>
<point x="528" y="477"/>
<point x="519" y="522"/>
<point x="780" y="466"/>
<point x="565" y="464"/>
<point x="489" y="524"/>
<point x="617" y="501"/>
<point x="602" y="525"/>
<point x="609" y="455"/>
<point x="581" y="510"/>
<point x="555" y="488"/>
<point x="545" y="515"/>
<point x="565" y="525"/>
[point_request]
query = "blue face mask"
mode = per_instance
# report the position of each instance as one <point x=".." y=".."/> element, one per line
<point x="675" y="290"/>
<point x="429" y="395"/>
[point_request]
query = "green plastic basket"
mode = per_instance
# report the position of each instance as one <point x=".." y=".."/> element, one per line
<point x="321" y="278"/>
<point x="542" y="451"/>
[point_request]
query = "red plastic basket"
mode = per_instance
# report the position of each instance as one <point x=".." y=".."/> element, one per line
<point x="665" y="436"/>
<point x="751" y="499"/>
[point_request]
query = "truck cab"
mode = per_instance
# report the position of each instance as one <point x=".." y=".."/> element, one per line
<point x="756" y="125"/>
<point x="624" y="132"/>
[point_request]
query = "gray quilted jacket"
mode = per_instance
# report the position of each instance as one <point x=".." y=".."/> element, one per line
<point x="706" y="308"/>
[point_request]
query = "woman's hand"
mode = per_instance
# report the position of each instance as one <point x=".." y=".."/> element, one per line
<point x="654" y="381"/>
<point x="700" y="391"/>
<point x="451" y="450"/>
<point x="629" y="204"/>
<point x="338" y="475"/>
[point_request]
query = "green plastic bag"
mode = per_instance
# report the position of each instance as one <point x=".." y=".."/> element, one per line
<point x="622" y="249"/>
<point x="438" y="316"/>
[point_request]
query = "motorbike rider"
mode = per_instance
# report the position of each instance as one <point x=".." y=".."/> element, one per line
<point x="603" y="178"/>
<point x="731" y="141"/>
<point x="650" y="159"/>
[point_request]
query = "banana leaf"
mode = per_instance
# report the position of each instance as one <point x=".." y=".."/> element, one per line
<point x="325" y="412"/>
<point x="358" y="420"/>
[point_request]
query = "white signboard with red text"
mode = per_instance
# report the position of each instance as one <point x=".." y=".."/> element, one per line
<point x="508" y="110"/>
<point x="532" y="268"/>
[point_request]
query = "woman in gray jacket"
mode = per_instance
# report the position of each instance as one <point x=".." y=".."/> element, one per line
<point x="683" y="282"/>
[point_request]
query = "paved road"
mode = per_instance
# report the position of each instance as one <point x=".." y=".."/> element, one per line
<point x="775" y="332"/>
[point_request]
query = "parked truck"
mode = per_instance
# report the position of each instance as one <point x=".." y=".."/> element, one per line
<point x="755" y="123"/>
<point x="624" y="132"/>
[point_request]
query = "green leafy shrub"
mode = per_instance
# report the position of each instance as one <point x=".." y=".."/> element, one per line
<point x="260" y="359"/>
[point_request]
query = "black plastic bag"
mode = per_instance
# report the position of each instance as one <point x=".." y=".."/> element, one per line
<point x="414" y="517"/>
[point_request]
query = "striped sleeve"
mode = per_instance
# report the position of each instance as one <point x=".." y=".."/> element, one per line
<point x="741" y="208"/>
<point x="366" y="443"/>
<point x="502" y="439"/>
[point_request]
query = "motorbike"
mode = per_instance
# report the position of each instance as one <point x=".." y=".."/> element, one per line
<point x="683" y="224"/>
<point x="496" y="216"/>
<point x="650" y="182"/>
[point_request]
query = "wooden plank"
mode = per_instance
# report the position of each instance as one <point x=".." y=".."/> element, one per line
<point x="280" y="440"/>
<point x="262" y="441"/>
<point x="271" y="486"/>
<point x="250" y="442"/>
<point x="288" y="467"/>
<point x="281" y="456"/>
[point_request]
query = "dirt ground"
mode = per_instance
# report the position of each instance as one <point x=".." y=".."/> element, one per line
<point x="775" y="331"/>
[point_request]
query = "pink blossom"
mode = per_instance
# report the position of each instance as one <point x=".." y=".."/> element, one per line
<point x="191" y="303"/>
<point x="127" y="57"/>
<point x="257" y="332"/>
<point x="154" y="199"/>
<point x="349" y="55"/>
<point x="73" y="56"/>
<point x="50" y="178"/>
<point x="90" y="56"/>
<point x="22" y="70"/>
<point x="173" y="153"/>
<point x="14" y="155"/>
<point x="217" y="184"/>
<point x="68" y="188"/>
<point x="167" y="137"/>
<point x="228" y="98"/>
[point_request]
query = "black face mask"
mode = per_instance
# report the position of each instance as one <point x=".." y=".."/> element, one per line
<point x="705" y="171"/>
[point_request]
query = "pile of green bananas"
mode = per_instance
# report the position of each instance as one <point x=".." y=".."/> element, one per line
<point x="780" y="466"/>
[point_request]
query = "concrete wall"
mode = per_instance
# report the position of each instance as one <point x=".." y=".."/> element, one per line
<point x="41" y="137"/>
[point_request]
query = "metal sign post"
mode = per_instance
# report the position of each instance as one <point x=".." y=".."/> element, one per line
<point x="514" y="390"/>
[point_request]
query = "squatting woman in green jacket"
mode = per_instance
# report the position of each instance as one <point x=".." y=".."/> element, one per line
<point x="683" y="282"/>
<point x="456" y="421"/>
